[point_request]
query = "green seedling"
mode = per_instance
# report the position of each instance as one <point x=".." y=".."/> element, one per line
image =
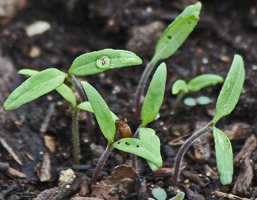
<point x="180" y="86"/>
<point x="227" y="100"/>
<point x="43" y="82"/>
<point x="172" y="38"/>
<point x="148" y="144"/>
<point x="160" y="194"/>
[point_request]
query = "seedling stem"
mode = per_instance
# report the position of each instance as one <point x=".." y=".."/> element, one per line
<point x="185" y="146"/>
<point x="101" y="161"/>
<point x="141" y="86"/>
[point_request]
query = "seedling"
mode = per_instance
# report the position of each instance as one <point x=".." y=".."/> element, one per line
<point x="180" y="86"/>
<point x="227" y="100"/>
<point x="45" y="81"/>
<point x="172" y="38"/>
<point x="148" y="146"/>
<point x="160" y="194"/>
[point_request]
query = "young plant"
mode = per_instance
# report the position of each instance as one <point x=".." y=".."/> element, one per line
<point x="160" y="194"/>
<point x="148" y="146"/>
<point x="197" y="83"/>
<point x="172" y="38"/>
<point x="227" y="100"/>
<point x="45" y="81"/>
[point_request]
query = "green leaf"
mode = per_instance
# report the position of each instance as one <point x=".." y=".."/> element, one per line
<point x="148" y="135"/>
<point x="99" y="61"/>
<point x="67" y="94"/>
<point x="204" y="80"/>
<point x="34" y="87"/>
<point x="87" y="107"/>
<point x="102" y="112"/>
<point x="179" y="196"/>
<point x="188" y="11"/>
<point x="154" y="96"/>
<point x="177" y="32"/>
<point x="179" y="85"/>
<point x="63" y="89"/>
<point x="232" y="88"/>
<point x="159" y="194"/>
<point x="224" y="156"/>
<point x="28" y="72"/>
<point x="139" y="148"/>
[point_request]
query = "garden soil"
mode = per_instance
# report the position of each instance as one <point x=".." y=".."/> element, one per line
<point x="36" y="142"/>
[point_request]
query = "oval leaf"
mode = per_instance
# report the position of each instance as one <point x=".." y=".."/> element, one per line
<point x="159" y="194"/>
<point x="177" y="32"/>
<point x="87" y="107"/>
<point x="102" y="112"/>
<point x="63" y="89"/>
<point x="204" y="80"/>
<point x="34" y="87"/>
<point x="99" y="61"/>
<point x="154" y="96"/>
<point x="179" y="85"/>
<point x="139" y="148"/>
<point x="224" y="156"/>
<point x="231" y="89"/>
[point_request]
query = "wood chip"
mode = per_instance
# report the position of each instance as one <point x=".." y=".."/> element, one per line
<point x="211" y="173"/>
<point x="45" y="170"/>
<point x="202" y="148"/>
<point x="16" y="173"/>
<point x="193" y="177"/>
<point x="238" y="131"/>
<point x="164" y="172"/>
<point x="244" y="179"/>
<point x="10" y="150"/>
<point x="50" y="143"/>
<point x="45" y="123"/>
<point x="120" y="182"/>
<point x="229" y="196"/>
<point x="65" y="190"/>
<point x="248" y="148"/>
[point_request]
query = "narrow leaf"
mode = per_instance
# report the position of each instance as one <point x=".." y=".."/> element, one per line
<point x="139" y="148"/>
<point x="102" y="112"/>
<point x="188" y="11"/>
<point x="177" y="32"/>
<point x="87" y="107"/>
<point x="224" y="156"/>
<point x="67" y="94"/>
<point x="63" y="89"/>
<point x="99" y="61"/>
<point x="34" y="87"/>
<point x="232" y="88"/>
<point x="179" y="196"/>
<point x="204" y="80"/>
<point x="154" y="96"/>
<point x="148" y="135"/>
<point x="28" y="72"/>
<point x="179" y="85"/>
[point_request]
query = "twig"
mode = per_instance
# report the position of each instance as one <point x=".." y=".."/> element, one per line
<point x="10" y="150"/>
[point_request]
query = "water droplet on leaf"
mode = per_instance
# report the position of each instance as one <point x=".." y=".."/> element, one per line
<point x="122" y="60"/>
<point x="103" y="62"/>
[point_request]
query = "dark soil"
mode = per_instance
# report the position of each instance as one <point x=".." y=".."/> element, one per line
<point x="225" y="28"/>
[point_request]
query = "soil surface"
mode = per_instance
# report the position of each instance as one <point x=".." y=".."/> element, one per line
<point x="36" y="140"/>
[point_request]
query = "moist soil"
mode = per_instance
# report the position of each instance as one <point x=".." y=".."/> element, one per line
<point x="225" y="28"/>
